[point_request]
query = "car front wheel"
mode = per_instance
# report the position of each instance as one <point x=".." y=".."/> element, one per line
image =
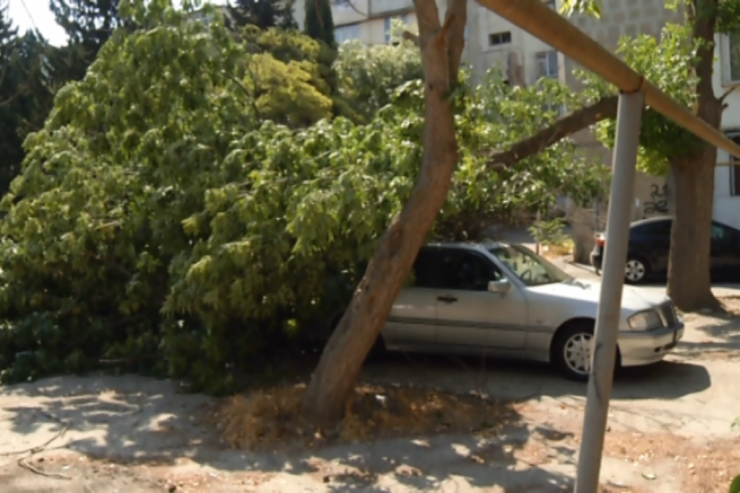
<point x="571" y="351"/>
<point x="636" y="271"/>
<point x="572" y="348"/>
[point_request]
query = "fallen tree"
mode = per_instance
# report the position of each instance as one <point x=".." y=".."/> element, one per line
<point x="195" y="238"/>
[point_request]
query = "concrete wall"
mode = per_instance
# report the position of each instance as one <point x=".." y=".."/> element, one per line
<point x="482" y="56"/>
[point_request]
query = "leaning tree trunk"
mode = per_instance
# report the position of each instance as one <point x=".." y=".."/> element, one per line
<point x="333" y="381"/>
<point x="689" y="280"/>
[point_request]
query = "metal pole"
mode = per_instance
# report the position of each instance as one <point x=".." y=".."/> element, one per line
<point x="629" y="116"/>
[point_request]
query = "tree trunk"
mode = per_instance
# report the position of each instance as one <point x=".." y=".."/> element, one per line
<point x="333" y="381"/>
<point x="689" y="281"/>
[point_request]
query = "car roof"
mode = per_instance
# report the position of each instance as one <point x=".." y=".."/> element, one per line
<point x="651" y="220"/>
<point x="660" y="219"/>
<point x="469" y="245"/>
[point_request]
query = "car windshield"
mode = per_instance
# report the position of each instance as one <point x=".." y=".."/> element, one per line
<point x="532" y="269"/>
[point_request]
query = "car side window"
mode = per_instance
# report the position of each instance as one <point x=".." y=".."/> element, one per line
<point x="721" y="234"/>
<point x="425" y="272"/>
<point x="660" y="229"/>
<point x="467" y="271"/>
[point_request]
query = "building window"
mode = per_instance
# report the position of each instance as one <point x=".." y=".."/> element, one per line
<point x="345" y="4"/>
<point x="389" y="22"/>
<point x="735" y="171"/>
<point x="497" y="39"/>
<point x="551" y="4"/>
<point x="734" y="58"/>
<point x="347" y="33"/>
<point x="547" y="64"/>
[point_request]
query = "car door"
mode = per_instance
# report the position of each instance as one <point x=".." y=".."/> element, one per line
<point x="412" y="322"/>
<point x="467" y="313"/>
<point x="734" y="256"/>
<point x="724" y="252"/>
<point x="652" y="241"/>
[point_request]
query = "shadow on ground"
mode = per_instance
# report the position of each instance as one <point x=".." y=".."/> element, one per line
<point x="138" y="420"/>
<point x="133" y="420"/>
<point x="519" y="380"/>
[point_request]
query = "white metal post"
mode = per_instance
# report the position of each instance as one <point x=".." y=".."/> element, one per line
<point x="629" y="115"/>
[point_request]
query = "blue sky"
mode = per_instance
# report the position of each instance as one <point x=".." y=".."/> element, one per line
<point x="36" y="13"/>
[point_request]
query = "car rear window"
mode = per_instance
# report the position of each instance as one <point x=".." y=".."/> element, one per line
<point x="657" y="228"/>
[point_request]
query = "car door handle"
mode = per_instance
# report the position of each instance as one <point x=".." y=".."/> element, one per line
<point x="447" y="299"/>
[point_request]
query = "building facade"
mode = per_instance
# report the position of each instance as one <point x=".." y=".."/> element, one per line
<point x="727" y="174"/>
<point x="490" y="40"/>
<point x="366" y="20"/>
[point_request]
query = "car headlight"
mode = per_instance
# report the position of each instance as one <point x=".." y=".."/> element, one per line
<point x="643" y="321"/>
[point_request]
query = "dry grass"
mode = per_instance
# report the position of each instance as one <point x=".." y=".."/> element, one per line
<point x="269" y="418"/>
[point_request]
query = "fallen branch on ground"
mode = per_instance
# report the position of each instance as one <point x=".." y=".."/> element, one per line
<point x="25" y="465"/>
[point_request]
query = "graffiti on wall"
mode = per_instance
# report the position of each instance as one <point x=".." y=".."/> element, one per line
<point x="658" y="203"/>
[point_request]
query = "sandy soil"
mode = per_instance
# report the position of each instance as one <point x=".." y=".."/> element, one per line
<point x="669" y="431"/>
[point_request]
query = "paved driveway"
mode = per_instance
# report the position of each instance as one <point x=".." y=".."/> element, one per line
<point x="587" y="272"/>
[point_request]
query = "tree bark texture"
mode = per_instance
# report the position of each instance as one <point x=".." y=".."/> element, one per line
<point x="689" y="281"/>
<point x="333" y="381"/>
<point x="564" y="127"/>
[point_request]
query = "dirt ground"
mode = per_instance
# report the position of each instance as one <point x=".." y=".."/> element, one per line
<point x="669" y="431"/>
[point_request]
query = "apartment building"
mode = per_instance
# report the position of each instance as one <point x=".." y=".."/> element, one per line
<point x="727" y="174"/>
<point x="366" y="20"/>
<point x="491" y="40"/>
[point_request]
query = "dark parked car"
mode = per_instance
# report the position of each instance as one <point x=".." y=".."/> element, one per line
<point x="649" y="245"/>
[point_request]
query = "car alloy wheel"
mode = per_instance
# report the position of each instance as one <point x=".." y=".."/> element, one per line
<point x="635" y="271"/>
<point x="577" y="353"/>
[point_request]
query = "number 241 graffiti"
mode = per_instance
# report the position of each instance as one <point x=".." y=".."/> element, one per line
<point x="659" y="202"/>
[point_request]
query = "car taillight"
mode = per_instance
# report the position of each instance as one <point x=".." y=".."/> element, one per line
<point x="600" y="239"/>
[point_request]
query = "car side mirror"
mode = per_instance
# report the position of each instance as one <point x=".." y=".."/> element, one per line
<point x="501" y="287"/>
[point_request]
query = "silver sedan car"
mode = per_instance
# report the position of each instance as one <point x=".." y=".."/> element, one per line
<point x="504" y="300"/>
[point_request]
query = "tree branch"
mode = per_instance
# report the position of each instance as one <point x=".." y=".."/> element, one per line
<point x="454" y="29"/>
<point x="411" y="37"/>
<point x="727" y="93"/>
<point x="565" y="126"/>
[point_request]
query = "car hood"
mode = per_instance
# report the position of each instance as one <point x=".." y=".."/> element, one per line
<point x="589" y="291"/>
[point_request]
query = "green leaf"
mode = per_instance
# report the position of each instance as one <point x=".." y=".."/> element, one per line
<point x="735" y="485"/>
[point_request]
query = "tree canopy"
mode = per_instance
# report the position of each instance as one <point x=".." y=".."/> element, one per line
<point x="319" y="22"/>
<point x="166" y="210"/>
<point x="666" y="61"/>
<point x="263" y="13"/>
